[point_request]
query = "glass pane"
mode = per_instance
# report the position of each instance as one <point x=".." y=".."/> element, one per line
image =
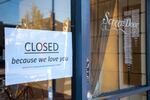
<point x="33" y="14"/>
<point x="63" y="23"/>
<point x="141" y="96"/>
<point x="118" y="44"/>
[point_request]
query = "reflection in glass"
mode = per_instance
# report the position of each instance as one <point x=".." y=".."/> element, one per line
<point x="141" y="96"/>
<point x="118" y="45"/>
<point x="34" y="14"/>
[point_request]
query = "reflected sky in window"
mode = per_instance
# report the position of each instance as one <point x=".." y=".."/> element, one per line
<point x="13" y="10"/>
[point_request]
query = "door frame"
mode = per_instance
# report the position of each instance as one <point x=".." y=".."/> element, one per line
<point x="80" y="27"/>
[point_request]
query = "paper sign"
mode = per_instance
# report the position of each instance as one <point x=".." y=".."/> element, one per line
<point x="37" y="55"/>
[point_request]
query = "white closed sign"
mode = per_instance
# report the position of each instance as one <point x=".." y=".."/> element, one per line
<point x="37" y="55"/>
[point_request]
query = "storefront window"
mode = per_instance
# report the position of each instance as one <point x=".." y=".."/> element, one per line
<point x="118" y="45"/>
<point x="141" y="96"/>
<point x="33" y="14"/>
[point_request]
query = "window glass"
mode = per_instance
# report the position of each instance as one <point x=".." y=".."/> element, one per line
<point x="118" y="44"/>
<point x="34" y="14"/>
<point x="141" y="96"/>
